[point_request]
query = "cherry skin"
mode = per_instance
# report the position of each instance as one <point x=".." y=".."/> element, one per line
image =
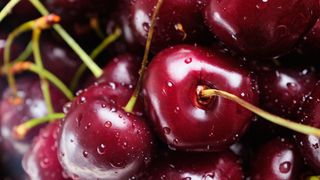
<point x="32" y="106"/>
<point x="278" y="159"/>
<point x="99" y="140"/>
<point x="261" y="28"/>
<point x="310" y="145"/>
<point x="171" y="86"/>
<point x="41" y="160"/>
<point x="311" y="42"/>
<point x="177" y="22"/>
<point x="196" y="166"/>
<point x="282" y="87"/>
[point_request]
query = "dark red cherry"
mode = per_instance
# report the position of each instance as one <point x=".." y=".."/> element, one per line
<point x="172" y="165"/>
<point x="23" y="11"/>
<point x="59" y="60"/>
<point x="261" y="28"/>
<point x="178" y="22"/>
<point x="41" y="160"/>
<point x="32" y="106"/>
<point x="181" y="117"/>
<point x="311" y="42"/>
<point x="99" y="140"/>
<point x="279" y="159"/>
<point x="283" y="87"/>
<point x="308" y="144"/>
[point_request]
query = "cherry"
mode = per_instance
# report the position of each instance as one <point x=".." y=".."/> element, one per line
<point x="177" y="22"/>
<point x="173" y="165"/>
<point x="23" y="11"/>
<point x="277" y="159"/>
<point x="283" y="87"/>
<point x="59" y="59"/>
<point x="171" y="90"/>
<point x="32" y="106"/>
<point x="311" y="42"/>
<point x="308" y="144"/>
<point x="100" y="140"/>
<point x="41" y="161"/>
<point x="261" y="28"/>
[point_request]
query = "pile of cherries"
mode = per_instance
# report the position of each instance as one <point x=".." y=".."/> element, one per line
<point x="183" y="116"/>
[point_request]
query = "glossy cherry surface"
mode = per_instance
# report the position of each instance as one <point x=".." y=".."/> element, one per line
<point x="278" y="159"/>
<point x="171" y="91"/>
<point x="194" y="166"/>
<point x="283" y="87"/>
<point x="100" y="140"/>
<point x="310" y="145"/>
<point x="178" y="21"/>
<point x="311" y="42"/>
<point x="32" y="106"/>
<point x="261" y="28"/>
<point x="41" y="160"/>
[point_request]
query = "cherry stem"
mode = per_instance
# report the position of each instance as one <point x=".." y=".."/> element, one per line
<point x="94" y="54"/>
<point x="94" y="24"/>
<point x="37" y="56"/>
<point x="23" y="66"/>
<point x="95" y="69"/>
<point x="8" y="8"/>
<point x="20" y="131"/>
<point x="313" y="178"/>
<point x="15" y="33"/>
<point x="304" y="129"/>
<point x="25" y="54"/>
<point x="130" y="105"/>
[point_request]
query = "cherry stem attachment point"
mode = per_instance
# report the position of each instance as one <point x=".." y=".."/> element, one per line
<point x="29" y="66"/>
<point x="301" y="128"/>
<point x="130" y="105"/>
<point x="8" y="9"/>
<point x="94" y="68"/>
<point x="20" y="131"/>
<point x="95" y="53"/>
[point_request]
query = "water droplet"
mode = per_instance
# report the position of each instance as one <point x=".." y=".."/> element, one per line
<point x="170" y="84"/>
<point x="67" y="107"/>
<point x="82" y="100"/>
<point x="285" y="167"/>
<point x="79" y="119"/>
<point x="188" y="60"/>
<point x="108" y="124"/>
<point x="112" y="85"/>
<point x="146" y="26"/>
<point x="208" y="176"/>
<point x="175" y="141"/>
<point x="101" y="149"/>
<point x="44" y="163"/>
<point x="124" y="144"/>
<point x="85" y="154"/>
<point x="103" y="105"/>
<point x="176" y="110"/>
<point x="166" y="130"/>
<point x="87" y="126"/>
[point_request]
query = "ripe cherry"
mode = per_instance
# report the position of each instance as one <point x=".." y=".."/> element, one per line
<point x="177" y="22"/>
<point x="311" y="42"/>
<point x="261" y="28"/>
<point x="278" y="159"/>
<point x="100" y="140"/>
<point x="41" y="160"/>
<point x="32" y="106"/>
<point x="173" y="165"/>
<point x="171" y="90"/>
<point x="308" y="144"/>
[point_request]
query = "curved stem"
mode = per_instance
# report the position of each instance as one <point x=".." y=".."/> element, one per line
<point x="8" y="8"/>
<point x="304" y="129"/>
<point x="25" y="54"/>
<point x="130" y="105"/>
<point x="95" y="53"/>
<point x="37" y="56"/>
<point x="20" y="131"/>
<point x="313" y="178"/>
<point x="7" y="56"/>
<point x="94" y="68"/>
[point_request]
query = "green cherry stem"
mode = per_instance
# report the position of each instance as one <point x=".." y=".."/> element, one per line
<point x="25" y="54"/>
<point x="313" y="178"/>
<point x="37" y="56"/>
<point x="95" y="53"/>
<point x="29" y="66"/>
<point x="130" y="105"/>
<point x="8" y="8"/>
<point x="304" y="129"/>
<point x="94" y="68"/>
<point x="20" y="131"/>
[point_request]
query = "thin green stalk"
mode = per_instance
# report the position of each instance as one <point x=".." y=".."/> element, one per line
<point x="38" y="60"/>
<point x="95" y="53"/>
<point x="21" y="130"/>
<point x="25" y="54"/>
<point x="94" y="68"/>
<point x="130" y="105"/>
<point x="8" y="8"/>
